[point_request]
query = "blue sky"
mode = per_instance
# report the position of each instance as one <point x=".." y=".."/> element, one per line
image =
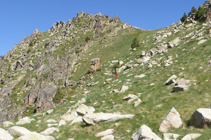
<point x="19" y="18"/>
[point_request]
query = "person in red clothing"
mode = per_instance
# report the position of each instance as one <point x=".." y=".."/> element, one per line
<point x="116" y="74"/>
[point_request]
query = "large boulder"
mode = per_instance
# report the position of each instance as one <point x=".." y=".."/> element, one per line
<point x="201" y="118"/>
<point x="35" y="136"/>
<point x="18" y="131"/>
<point x="173" y="119"/>
<point x="181" y="85"/>
<point x="83" y="110"/>
<point x="129" y="98"/>
<point x="92" y="119"/>
<point x="145" y="133"/>
<point x="95" y="64"/>
<point x="4" y="135"/>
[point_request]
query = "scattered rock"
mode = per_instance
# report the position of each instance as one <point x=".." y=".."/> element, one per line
<point x="51" y="121"/>
<point x="173" y="43"/>
<point x="35" y="136"/>
<point x="50" y="125"/>
<point x="105" y="133"/>
<point x="201" y="41"/>
<point x="92" y="119"/>
<point x="69" y="117"/>
<point x="149" y="66"/>
<point x="124" y="88"/>
<point x="170" y="136"/>
<point x="83" y="110"/>
<point x="49" y="111"/>
<point x="107" y="80"/>
<point x="137" y="102"/>
<point x="4" y="135"/>
<point x="62" y="122"/>
<point x="140" y="76"/>
<point x="171" y="80"/>
<point x="191" y="136"/>
<point x="7" y="124"/>
<point x="143" y="53"/>
<point x="173" y="119"/>
<point x="201" y="118"/>
<point x="182" y="85"/>
<point x="129" y="98"/>
<point x="145" y="132"/>
<point x="109" y="137"/>
<point x="18" y="131"/>
<point x="49" y="131"/>
<point x="120" y="63"/>
<point x="77" y="120"/>
<point x="24" y="120"/>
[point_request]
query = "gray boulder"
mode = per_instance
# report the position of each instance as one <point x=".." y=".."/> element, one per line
<point x="18" y="131"/>
<point x="191" y="136"/>
<point x="201" y="118"/>
<point x="109" y="137"/>
<point x="173" y="119"/>
<point x="145" y="133"/>
<point x="83" y="110"/>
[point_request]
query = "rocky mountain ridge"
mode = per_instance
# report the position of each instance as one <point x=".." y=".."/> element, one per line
<point x="64" y="81"/>
<point x="43" y="57"/>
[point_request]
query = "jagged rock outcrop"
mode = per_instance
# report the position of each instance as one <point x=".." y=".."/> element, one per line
<point x="42" y="95"/>
<point x="95" y="65"/>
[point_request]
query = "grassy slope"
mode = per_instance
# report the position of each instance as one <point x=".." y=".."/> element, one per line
<point x="103" y="99"/>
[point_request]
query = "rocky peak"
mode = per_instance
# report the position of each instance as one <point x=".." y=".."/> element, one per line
<point x="116" y="19"/>
<point x="35" y="32"/>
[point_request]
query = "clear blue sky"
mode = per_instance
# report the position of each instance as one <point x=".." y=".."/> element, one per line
<point x="19" y="18"/>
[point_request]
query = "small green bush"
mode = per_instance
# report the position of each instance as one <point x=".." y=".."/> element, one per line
<point x="135" y="43"/>
<point x="87" y="39"/>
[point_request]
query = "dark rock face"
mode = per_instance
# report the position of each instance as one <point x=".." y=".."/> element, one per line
<point x="41" y="95"/>
<point x="32" y="73"/>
